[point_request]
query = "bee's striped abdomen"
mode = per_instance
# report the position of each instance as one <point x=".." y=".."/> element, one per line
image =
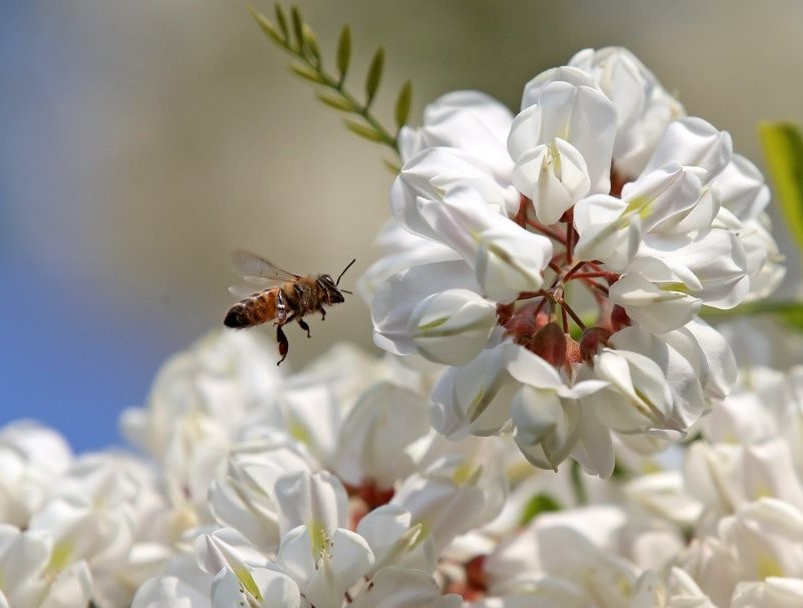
<point x="253" y="310"/>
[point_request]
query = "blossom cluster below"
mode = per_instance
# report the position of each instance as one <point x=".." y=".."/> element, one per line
<point x="328" y="488"/>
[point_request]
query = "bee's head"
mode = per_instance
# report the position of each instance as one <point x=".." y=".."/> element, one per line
<point x="333" y="294"/>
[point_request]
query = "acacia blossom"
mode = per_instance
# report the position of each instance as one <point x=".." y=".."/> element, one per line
<point x="556" y="262"/>
<point x="331" y="491"/>
<point x="539" y="301"/>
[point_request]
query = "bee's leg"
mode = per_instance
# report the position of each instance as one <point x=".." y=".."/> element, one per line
<point x="323" y="313"/>
<point x="281" y="308"/>
<point x="304" y="326"/>
<point x="284" y="345"/>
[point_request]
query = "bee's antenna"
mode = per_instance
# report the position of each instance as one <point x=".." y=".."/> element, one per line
<point x="340" y="276"/>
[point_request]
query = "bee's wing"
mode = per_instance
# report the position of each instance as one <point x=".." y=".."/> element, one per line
<point x="243" y="291"/>
<point x="258" y="271"/>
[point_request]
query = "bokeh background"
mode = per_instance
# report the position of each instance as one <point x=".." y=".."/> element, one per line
<point x="143" y="141"/>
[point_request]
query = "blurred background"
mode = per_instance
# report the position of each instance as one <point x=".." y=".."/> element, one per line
<point x="143" y="141"/>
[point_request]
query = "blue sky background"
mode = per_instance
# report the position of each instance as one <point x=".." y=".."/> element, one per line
<point x="68" y="358"/>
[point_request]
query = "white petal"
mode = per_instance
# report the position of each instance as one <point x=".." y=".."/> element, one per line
<point x="773" y="592"/>
<point x="742" y="188"/>
<point x="376" y="437"/>
<point x="171" y="591"/>
<point x="475" y="396"/>
<point x="318" y="500"/>
<point x="394" y="540"/>
<point x="553" y="176"/>
<point x="656" y="309"/>
<point x="510" y="260"/>
<point x="402" y="588"/>
<point x="531" y="369"/>
<point x="693" y="142"/>
<point x="397" y="297"/>
<point x="709" y="353"/>
<point x="468" y="120"/>
<point x="452" y="326"/>
<point x="542" y="421"/>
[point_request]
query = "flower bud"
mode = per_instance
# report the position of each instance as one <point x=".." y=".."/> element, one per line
<point x="550" y="344"/>
<point x="554" y="176"/>
<point x="451" y="326"/>
<point x="592" y="341"/>
<point x="510" y="261"/>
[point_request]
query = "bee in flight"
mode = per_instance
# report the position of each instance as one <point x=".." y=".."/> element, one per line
<point x="284" y="296"/>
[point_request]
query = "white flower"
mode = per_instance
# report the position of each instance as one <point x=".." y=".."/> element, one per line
<point x="773" y="592"/>
<point x="510" y="261"/>
<point x="381" y="437"/>
<point x="474" y="397"/>
<point x="169" y="591"/>
<point x="397" y="303"/>
<point x="31" y="458"/>
<point x="462" y="490"/>
<point x="403" y="588"/>
<point x="33" y="572"/>
<point x="548" y="418"/>
<point x="394" y="540"/>
<point x="761" y="541"/>
<point x="468" y="120"/>
<point x="244" y="498"/>
<point x="575" y="127"/>
<point x="231" y="572"/>
<point x="613" y="218"/>
<point x="643" y="107"/>
<point x="324" y="567"/>
<point x="438" y="319"/>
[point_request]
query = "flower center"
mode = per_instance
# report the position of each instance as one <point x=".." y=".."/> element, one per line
<point x="544" y="321"/>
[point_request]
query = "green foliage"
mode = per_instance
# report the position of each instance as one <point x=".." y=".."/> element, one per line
<point x="343" y="53"/>
<point x="788" y="312"/>
<point x="403" y="103"/>
<point x="374" y="76"/>
<point x="540" y="503"/>
<point x="783" y="149"/>
<point x="298" y="39"/>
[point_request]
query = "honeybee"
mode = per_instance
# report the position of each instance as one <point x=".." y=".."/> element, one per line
<point x="290" y="300"/>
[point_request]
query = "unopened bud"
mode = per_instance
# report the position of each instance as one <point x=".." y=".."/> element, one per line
<point x="592" y="341"/>
<point x="452" y="326"/>
<point x="619" y="318"/>
<point x="550" y="344"/>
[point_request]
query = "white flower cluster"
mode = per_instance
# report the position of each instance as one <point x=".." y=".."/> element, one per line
<point x="328" y="488"/>
<point x="545" y="272"/>
<point x="556" y="261"/>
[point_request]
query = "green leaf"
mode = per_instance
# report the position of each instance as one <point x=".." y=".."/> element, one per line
<point x="281" y="20"/>
<point x="783" y="149"/>
<point x="343" y="53"/>
<point x="337" y="101"/>
<point x="298" y="28"/>
<point x="789" y="312"/>
<point x="365" y="131"/>
<point x="540" y="503"/>
<point x="308" y="73"/>
<point x="793" y="315"/>
<point x="311" y="48"/>
<point x="374" y="75"/>
<point x="267" y="27"/>
<point x="403" y="103"/>
<point x="391" y="166"/>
